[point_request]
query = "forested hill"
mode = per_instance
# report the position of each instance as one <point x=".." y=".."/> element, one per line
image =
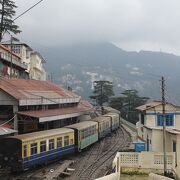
<point x="79" y="65"/>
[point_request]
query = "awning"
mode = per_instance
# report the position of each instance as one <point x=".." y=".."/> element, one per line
<point x="5" y="131"/>
<point x="55" y="114"/>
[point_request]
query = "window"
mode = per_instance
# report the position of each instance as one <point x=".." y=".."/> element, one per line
<point x="33" y="148"/>
<point x="51" y="144"/>
<point x="25" y="151"/>
<point x="42" y="146"/>
<point x="71" y="141"/>
<point x="169" y="120"/>
<point x="142" y="119"/>
<point x="66" y="140"/>
<point x="59" y="142"/>
<point x="16" y="49"/>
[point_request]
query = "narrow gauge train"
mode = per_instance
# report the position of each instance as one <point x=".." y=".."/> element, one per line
<point x="23" y="151"/>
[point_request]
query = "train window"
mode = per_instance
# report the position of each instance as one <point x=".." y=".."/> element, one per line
<point x="33" y="148"/>
<point x="51" y="144"/>
<point x="59" y="142"/>
<point x="71" y="141"/>
<point x="25" y="150"/>
<point x="66" y="140"/>
<point x="42" y="146"/>
<point x="82" y="137"/>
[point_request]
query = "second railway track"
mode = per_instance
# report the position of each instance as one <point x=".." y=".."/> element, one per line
<point x="103" y="153"/>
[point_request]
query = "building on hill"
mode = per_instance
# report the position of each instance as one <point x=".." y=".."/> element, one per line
<point x="32" y="59"/>
<point x="38" y="105"/>
<point x="36" y="70"/>
<point x="11" y="64"/>
<point x="150" y="128"/>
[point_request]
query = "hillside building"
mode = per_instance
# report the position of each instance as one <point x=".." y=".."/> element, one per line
<point x="36" y="70"/>
<point x="39" y="105"/>
<point x="10" y="60"/>
<point x="32" y="59"/>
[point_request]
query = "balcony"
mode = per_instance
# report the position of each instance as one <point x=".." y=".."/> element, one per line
<point x="15" y="62"/>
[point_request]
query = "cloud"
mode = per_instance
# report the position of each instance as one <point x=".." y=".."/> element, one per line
<point x="133" y="25"/>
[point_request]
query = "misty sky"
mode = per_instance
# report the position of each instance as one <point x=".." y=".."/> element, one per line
<point x="131" y="24"/>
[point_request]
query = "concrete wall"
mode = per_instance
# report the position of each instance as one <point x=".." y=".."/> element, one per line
<point x="113" y="176"/>
<point x="157" y="140"/>
<point x="142" y="162"/>
<point x="178" y="155"/>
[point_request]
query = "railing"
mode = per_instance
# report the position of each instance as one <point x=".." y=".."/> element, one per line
<point x="146" y="160"/>
<point x="14" y="61"/>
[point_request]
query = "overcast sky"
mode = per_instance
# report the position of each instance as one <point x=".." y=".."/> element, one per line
<point x="131" y="24"/>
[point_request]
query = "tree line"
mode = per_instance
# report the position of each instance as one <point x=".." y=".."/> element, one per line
<point x="126" y="102"/>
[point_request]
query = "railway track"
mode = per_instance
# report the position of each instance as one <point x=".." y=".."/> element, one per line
<point x="109" y="147"/>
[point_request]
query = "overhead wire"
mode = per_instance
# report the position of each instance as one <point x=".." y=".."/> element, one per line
<point x="28" y="10"/>
<point x="8" y="120"/>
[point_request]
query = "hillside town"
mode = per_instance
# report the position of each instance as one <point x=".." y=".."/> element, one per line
<point x="50" y="130"/>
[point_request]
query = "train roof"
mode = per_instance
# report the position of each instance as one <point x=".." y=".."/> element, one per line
<point x="82" y="125"/>
<point x="111" y="114"/>
<point x="100" y="118"/>
<point x="42" y="134"/>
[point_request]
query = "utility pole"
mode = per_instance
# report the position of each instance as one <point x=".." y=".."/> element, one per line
<point x="101" y="94"/>
<point x="164" y="123"/>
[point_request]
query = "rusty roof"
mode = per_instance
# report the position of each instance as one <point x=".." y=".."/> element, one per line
<point x="149" y="105"/>
<point x="55" y="112"/>
<point x="33" y="89"/>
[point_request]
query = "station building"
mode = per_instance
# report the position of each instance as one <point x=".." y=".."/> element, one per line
<point x="32" y="105"/>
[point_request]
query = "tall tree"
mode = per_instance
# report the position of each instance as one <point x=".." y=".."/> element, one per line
<point x="7" y="13"/>
<point x="127" y="103"/>
<point x="103" y="90"/>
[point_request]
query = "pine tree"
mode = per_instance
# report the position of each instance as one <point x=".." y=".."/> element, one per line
<point x="103" y="90"/>
<point x="7" y="13"/>
<point x="127" y="103"/>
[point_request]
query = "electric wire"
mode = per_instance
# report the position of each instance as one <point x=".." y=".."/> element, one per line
<point x="27" y="10"/>
<point x="8" y="120"/>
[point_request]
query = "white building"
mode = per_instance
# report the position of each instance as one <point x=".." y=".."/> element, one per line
<point x="150" y="128"/>
<point x="33" y="60"/>
<point x="36" y="70"/>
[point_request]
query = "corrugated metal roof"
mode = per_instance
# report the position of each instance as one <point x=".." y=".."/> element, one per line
<point x="6" y="131"/>
<point x="82" y="125"/>
<point x="149" y="105"/>
<point x="42" y="134"/>
<point x="54" y="112"/>
<point x="34" y="89"/>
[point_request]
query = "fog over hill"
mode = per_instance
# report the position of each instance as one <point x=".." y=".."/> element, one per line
<point x="79" y="65"/>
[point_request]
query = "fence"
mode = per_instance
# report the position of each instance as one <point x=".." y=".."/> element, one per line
<point x="143" y="160"/>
